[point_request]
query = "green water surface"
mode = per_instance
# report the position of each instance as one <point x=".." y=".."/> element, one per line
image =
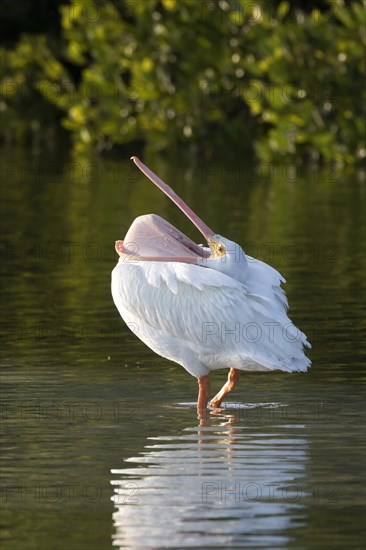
<point x="100" y="441"/>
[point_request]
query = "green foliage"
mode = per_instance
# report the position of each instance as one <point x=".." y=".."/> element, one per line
<point x="213" y="75"/>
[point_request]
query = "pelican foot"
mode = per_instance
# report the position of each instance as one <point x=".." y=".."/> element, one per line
<point x="232" y="380"/>
<point x="215" y="403"/>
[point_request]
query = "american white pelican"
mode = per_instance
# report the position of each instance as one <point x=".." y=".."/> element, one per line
<point x="205" y="308"/>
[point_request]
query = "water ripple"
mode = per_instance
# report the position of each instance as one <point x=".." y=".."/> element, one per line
<point x="213" y="486"/>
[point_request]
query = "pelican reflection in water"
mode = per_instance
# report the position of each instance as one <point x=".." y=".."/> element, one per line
<point x="220" y="485"/>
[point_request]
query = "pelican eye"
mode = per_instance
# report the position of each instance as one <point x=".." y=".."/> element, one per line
<point x="218" y="249"/>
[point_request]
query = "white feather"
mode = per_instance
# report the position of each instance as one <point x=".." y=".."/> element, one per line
<point x="204" y="319"/>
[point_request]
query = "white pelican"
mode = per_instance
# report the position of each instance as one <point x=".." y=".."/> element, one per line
<point x="205" y="308"/>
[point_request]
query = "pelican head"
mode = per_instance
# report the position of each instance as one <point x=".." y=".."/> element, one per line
<point x="151" y="238"/>
<point x="227" y="257"/>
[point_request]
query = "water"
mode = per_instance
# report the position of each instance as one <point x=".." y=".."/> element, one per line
<point x="101" y="447"/>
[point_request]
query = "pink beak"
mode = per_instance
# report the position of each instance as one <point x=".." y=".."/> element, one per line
<point x="150" y="238"/>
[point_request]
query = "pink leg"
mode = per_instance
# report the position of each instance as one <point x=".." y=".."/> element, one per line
<point x="234" y="375"/>
<point x="203" y="395"/>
